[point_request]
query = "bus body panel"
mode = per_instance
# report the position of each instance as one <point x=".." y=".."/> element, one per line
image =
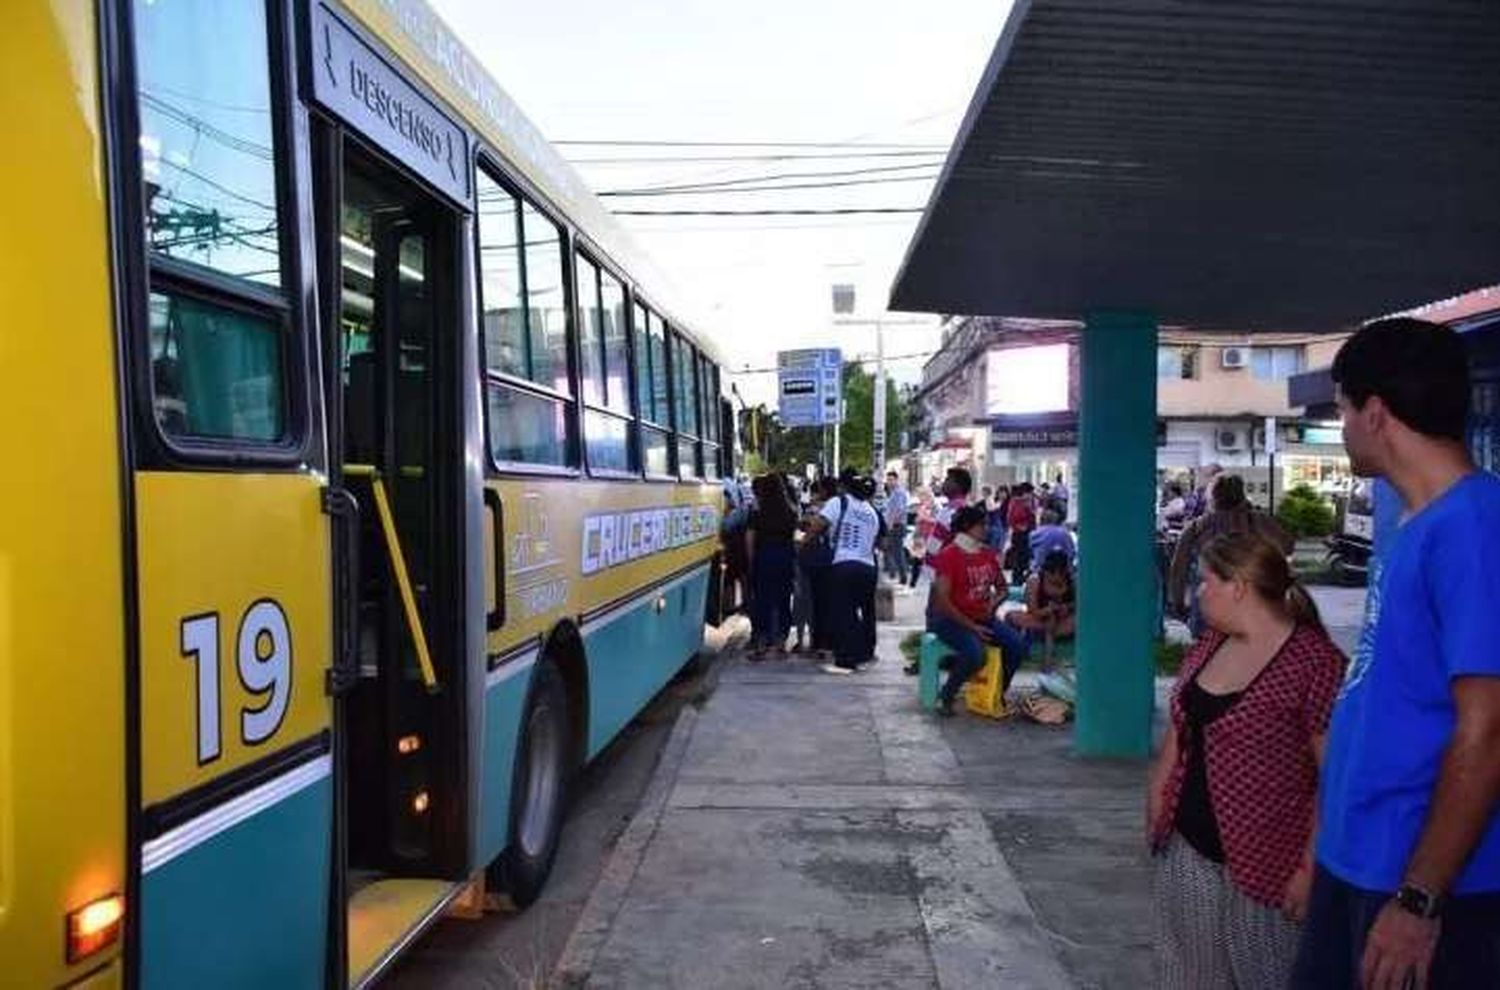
<point x="227" y="562"/>
<point x="248" y="906"/>
<point x="62" y="664"/>
<point x="597" y="554"/>
<point x="636" y="649"/>
<point x="504" y="703"/>
<point x="235" y="636"/>
<point x="576" y="548"/>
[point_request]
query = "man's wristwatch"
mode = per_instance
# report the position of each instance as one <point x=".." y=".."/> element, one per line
<point x="1414" y="900"/>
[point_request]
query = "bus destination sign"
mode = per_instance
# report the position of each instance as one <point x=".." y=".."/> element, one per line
<point x="353" y="81"/>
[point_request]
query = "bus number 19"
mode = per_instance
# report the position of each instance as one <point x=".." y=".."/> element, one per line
<point x="264" y="663"/>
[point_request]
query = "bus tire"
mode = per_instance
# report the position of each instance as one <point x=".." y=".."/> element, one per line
<point x="539" y="790"/>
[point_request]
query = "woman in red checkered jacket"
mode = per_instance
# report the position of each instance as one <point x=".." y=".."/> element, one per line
<point x="1231" y="804"/>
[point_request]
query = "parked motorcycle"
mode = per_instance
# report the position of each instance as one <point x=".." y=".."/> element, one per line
<point x="1353" y="540"/>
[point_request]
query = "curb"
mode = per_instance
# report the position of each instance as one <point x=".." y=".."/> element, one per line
<point x="592" y="929"/>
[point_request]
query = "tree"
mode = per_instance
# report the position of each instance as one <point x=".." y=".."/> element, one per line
<point x="1304" y="513"/>
<point x="858" y="440"/>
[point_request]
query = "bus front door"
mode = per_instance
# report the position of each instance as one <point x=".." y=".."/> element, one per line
<point x="398" y="448"/>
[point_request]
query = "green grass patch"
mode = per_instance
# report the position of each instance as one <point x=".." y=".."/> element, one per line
<point x="1169" y="657"/>
<point x="911" y="645"/>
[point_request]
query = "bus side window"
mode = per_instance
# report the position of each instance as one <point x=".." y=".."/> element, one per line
<point x="650" y="391"/>
<point x="685" y="388"/>
<point x="523" y="316"/>
<point x="218" y="345"/>
<point x="709" y="378"/>
<point x="602" y="320"/>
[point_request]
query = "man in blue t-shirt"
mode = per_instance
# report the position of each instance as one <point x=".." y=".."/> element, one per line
<point x="1406" y="891"/>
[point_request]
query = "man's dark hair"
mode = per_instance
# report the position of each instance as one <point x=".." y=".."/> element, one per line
<point x="1419" y="369"/>
<point x="962" y="478"/>
<point x="968" y="517"/>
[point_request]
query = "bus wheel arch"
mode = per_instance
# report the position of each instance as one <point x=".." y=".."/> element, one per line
<point x="565" y="651"/>
<point x="547" y="758"/>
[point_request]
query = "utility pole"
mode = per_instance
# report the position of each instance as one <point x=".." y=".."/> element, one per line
<point x="837" y="424"/>
<point x="1271" y="459"/>
<point x="843" y="309"/>
<point x="878" y="430"/>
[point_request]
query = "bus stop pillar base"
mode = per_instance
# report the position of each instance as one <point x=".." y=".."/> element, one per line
<point x="1117" y="588"/>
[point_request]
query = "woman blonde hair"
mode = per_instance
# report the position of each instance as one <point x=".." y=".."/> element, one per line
<point x="1247" y="556"/>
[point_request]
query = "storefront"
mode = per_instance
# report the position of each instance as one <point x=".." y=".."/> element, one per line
<point x="1034" y="448"/>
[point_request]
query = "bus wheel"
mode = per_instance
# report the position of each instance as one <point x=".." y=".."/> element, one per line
<point x="538" y="791"/>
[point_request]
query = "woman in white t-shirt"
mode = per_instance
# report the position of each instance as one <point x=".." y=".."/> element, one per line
<point x="854" y="529"/>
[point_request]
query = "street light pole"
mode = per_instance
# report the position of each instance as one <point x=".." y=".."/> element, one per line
<point x="878" y="430"/>
<point x="837" y="423"/>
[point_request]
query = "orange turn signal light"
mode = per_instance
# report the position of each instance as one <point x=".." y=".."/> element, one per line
<point x="419" y="803"/>
<point x="94" y="926"/>
<point x="408" y="744"/>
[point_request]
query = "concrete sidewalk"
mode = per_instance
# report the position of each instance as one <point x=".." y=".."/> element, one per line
<point x="807" y="830"/>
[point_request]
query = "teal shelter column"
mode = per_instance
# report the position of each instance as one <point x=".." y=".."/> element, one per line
<point x="1116" y="534"/>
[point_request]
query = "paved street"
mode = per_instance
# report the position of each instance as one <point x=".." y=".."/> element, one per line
<point x="508" y="951"/>
<point x="805" y="830"/>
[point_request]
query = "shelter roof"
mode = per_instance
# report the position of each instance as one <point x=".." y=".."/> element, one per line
<point x="1257" y="164"/>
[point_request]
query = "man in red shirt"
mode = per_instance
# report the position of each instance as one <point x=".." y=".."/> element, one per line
<point x="961" y="611"/>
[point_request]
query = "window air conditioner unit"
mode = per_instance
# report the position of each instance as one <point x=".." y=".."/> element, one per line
<point x="1228" y="440"/>
<point x="1234" y="357"/>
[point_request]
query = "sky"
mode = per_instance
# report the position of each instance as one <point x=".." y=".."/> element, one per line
<point x="878" y="84"/>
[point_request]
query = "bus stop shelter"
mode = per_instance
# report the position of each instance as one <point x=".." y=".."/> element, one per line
<point x="1254" y="166"/>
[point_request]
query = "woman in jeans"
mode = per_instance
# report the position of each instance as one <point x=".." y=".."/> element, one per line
<point x="1232" y="796"/>
<point x="769" y="543"/>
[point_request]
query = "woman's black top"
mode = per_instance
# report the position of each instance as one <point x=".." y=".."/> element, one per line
<point x="1195" y="810"/>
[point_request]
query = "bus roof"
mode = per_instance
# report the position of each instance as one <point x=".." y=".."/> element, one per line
<point x="425" y="42"/>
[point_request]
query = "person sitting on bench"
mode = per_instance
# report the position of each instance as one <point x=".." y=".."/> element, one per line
<point x="961" y="611"/>
<point x="1051" y="609"/>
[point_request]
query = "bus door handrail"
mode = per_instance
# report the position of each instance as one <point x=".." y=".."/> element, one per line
<point x="398" y="565"/>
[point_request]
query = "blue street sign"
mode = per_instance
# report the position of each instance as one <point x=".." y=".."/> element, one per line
<point x="809" y="386"/>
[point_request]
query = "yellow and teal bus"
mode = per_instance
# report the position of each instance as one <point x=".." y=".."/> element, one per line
<point x="363" y="486"/>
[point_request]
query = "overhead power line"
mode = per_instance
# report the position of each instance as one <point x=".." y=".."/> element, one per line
<point x="841" y="212"/>
<point x="757" y="144"/>
<point x="773" y="177"/>
<point x="841" y="183"/>
<point x="743" y="158"/>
